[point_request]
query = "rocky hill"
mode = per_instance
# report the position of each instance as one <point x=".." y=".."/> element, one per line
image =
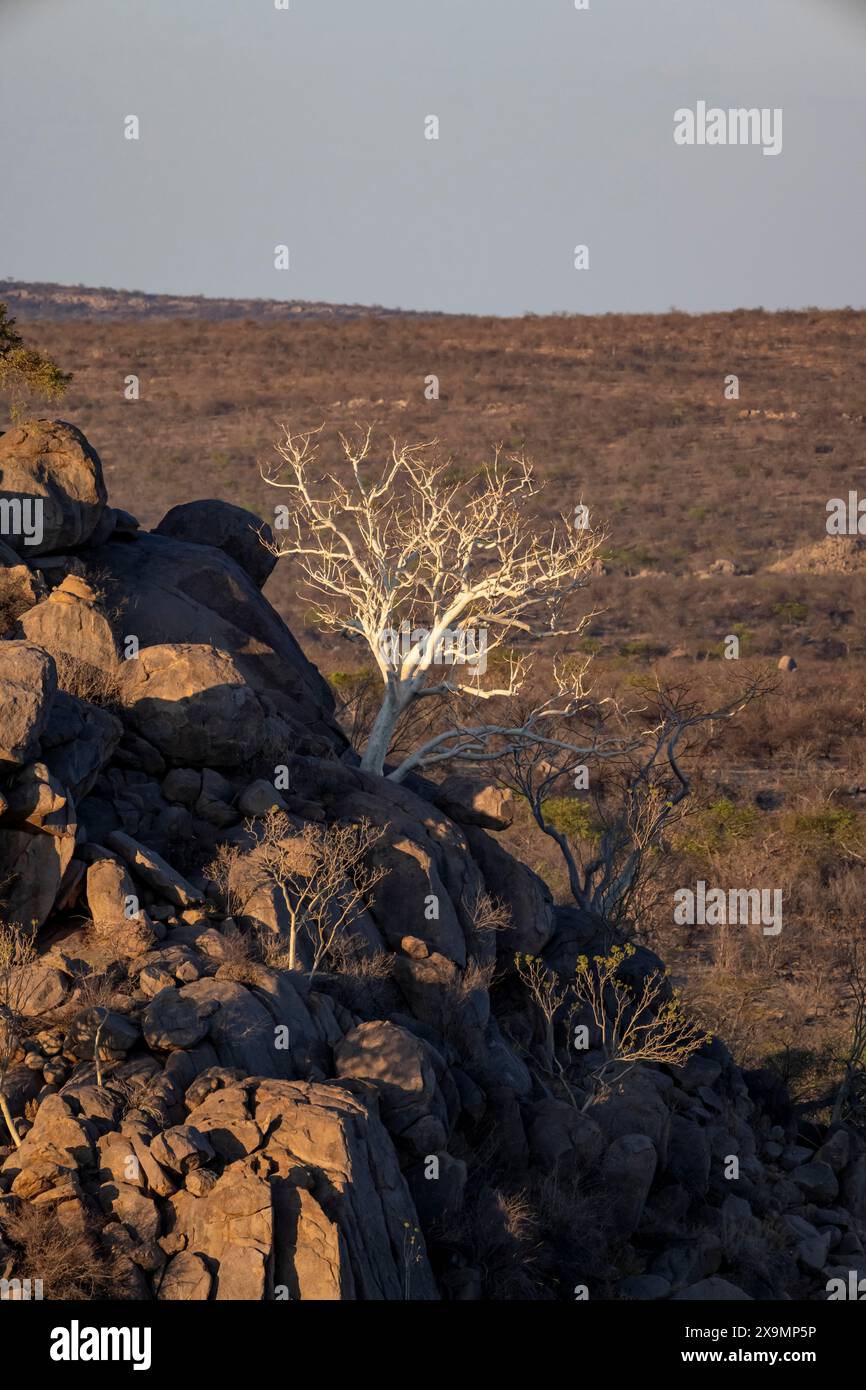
<point x="198" y="1121"/>
<point x="37" y="301"/>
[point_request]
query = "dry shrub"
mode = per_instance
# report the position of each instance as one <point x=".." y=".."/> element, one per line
<point x="489" y="915"/>
<point x="96" y="684"/>
<point x="499" y="1235"/>
<point x="243" y="956"/>
<point x="13" y="601"/>
<point x="361" y="978"/>
<point x="459" y="1005"/>
<point x="536" y="1242"/>
<point x="222" y="870"/>
<point x="66" y="1259"/>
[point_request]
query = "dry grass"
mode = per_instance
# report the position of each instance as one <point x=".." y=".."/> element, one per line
<point x="627" y="414"/>
<point x="537" y="1242"/>
<point x="62" y="1255"/>
<point x="96" y="684"/>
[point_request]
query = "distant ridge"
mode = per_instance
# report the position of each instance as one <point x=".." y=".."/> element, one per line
<point x="33" y="300"/>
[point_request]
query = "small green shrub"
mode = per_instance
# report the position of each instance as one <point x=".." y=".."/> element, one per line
<point x="791" y="612"/>
<point x="712" y="826"/>
<point x="571" y="817"/>
<point x="830" y="823"/>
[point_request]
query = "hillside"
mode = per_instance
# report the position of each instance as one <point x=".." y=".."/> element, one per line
<point x="715" y="512"/>
<point x="37" y="301"/>
<point x="194" y="1114"/>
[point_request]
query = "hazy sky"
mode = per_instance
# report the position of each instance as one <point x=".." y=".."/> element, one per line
<point x="260" y="127"/>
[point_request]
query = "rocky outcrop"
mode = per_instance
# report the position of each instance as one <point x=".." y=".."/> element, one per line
<point x="391" y="1126"/>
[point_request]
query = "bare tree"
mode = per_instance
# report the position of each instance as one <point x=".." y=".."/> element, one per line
<point x="549" y="994"/>
<point x="17" y="955"/>
<point x="323" y="875"/>
<point x="433" y="576"/>
<point x="653" y="785"/>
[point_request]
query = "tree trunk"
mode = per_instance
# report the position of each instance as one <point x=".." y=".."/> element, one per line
<point x="10" y="1123"/>
<point x="376" y="751"/>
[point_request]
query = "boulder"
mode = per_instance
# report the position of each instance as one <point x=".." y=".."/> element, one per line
<point x="78" y="741"/>
<point x="224" y="1121"/>
<point x="231" y="1228"/>
<point x="401" y="1068"/>
<point x="181" y="1149"/>
<point x="241" y="1029"/>
<point x="28" y="682"/>
<point x="171" y="1023"/>
<point x="403" y="896"/>
<point x="177" y="593"/>
<point x="128" y="1205"/>
<point x="627" y="1171"/>
<point x="377" y="1250"/>
<point x="56" y="1139"/>
<point x="185" y="1278"/>
<point x="854" y="1187"/>
<point x="114" y="907"/>
<point x="259" y="798"/>
<point x="69" y="625"/>
<point x="35" y="798"/>
<point x="811" y="1246"/>
<point x="560" y="1134"/>
<point x="116" y="1033"/>
<point x="689" y="1260"/>
<point x="214" y="801"/>
<point x="319" y="1268"/>
<point x="688" y="1157"/>
<point x="712" y="1290"/>
<point x="817" y="1180"/>
<point x="636" y="1105"/>
<point x="32" y="868"/>
<point x="38" y="988"/>
<point x="644" y="1288"/>
<point x="153" y="871"/>
<point x="127" y="1158"/>
<point x="289" y="1003"/>
<point x="437" y="1184"/>
<point x="183" y="784"/>
<point x="233" y="529"/>
<point x="194" y="705"/>
<point x="51" y="462"/>
<point x="526" y="896"/>
<point x="836" y="1150"/>
<point x="471" y="802"/>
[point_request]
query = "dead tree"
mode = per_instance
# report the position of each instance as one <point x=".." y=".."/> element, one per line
<point x="653" y="787"/>
<point x="431" y="575"/>
<point x="324" y="878"/>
